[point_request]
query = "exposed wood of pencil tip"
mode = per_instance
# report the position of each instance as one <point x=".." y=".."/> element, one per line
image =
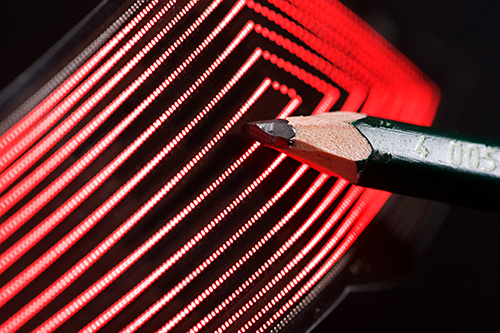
<point x="327" y="142"/>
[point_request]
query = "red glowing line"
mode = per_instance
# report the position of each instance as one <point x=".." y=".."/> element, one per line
<point x="375" y="200"/>
<point x="290" y="107"/>
<point x="39" y="129"/>
<point x="181" y="285"/>
<point x="57" y="250"/>
<point x="50" y="101"/>
<point x="17" y="220"/>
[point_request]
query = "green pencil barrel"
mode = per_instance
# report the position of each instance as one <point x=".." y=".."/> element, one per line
<point x="423" y="162"/>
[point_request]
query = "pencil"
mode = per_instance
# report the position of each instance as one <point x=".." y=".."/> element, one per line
<point x="389" y="155"/>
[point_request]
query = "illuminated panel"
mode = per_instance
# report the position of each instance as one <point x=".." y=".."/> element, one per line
<point x="37" y="131"/>
<point x="29" y="210"/>
<point x="216" y="234"/>
<point x="60" y="92"/>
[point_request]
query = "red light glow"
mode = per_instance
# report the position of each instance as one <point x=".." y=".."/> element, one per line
<point x="140" y="147"/>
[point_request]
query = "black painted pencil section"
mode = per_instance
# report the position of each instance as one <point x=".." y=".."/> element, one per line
<point x="423" y="162"/>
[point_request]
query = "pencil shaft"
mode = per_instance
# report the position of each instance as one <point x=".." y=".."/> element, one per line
<point x="422" y="162"/>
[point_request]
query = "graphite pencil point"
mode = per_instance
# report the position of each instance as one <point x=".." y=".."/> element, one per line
<point x="275" y="133"/>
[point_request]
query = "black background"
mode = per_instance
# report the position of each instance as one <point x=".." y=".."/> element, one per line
<point x="455" y="285"/>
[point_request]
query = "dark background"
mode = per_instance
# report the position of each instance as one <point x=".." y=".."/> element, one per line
<point x="455" y="285"/>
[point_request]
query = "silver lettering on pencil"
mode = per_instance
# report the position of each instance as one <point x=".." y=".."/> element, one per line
<point x="421" y="148"/>
<point x="456" y="153"/>
<point x="489" y="157"/>
<point x="473" y="156"/>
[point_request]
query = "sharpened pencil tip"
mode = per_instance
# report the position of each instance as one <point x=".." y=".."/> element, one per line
<point x="276" y="133"/>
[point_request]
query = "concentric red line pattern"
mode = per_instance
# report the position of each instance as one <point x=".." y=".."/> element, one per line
<point x="411" y="93"/>
<point x="57" y="250"/>
<point x="145" y="283"/>
<point x="331" y="95"/>
<point x="374" y="204"/>
<point x="152" y="310"/>
<point x="357" y="91"/>
<point x="334" y="192"/>
<point x="13" y="196"/>
<point x="319" y="84"/>
<point x="23" y="245"/>
<point x="309" y="79"/>
<point x="60" y="92"/>
<point x="15" y="150"/>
